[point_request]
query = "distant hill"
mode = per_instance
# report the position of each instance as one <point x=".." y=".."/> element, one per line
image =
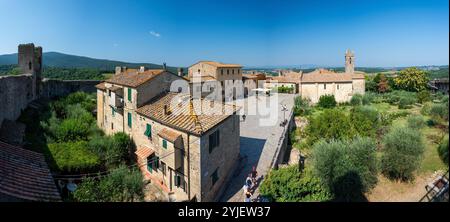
<point x="61" y="60"/>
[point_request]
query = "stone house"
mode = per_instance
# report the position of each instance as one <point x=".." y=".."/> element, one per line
<point x="205" y="76"/>
<point x="178" y="147"/>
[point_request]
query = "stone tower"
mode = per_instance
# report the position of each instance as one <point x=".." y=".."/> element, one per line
<point x="30" y="62"/>
<point x="349" y="62"/>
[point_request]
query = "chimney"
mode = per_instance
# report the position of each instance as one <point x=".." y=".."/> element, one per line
<point x="164" y="67"/>
<point x="180" y="72"/>
<point x="166" y="110"/>
<point x="118" y="70"/>
<point x="142" y="69"/>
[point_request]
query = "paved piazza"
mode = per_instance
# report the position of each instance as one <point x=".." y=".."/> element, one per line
<point x="258" y="142"/>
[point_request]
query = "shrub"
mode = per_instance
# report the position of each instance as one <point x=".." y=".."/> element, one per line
<point x="121" y="185"/>
<point x="431" y="122"/>
<point x="443" y="150"/>
<point x="73" y="157"/>
<point x="327" y="101"/>
<point x="426" y="108"/>
<point x="72" y="130"/>
<point x="403" y="150"/>
<point x="347" y="168"/>
<point x="365" y="120"/>
<point x="394" y="97"/>
<point x="329" y="125"/>
<point x="367" y="98"/>
<point x="301" y="106"/>
<point x="291" y="185"/>
<point x="112" y="150"/>
<point x="356" y="100"/>
<point x="405" y="102"/>
<point x="439" y="110"/>
<point x="416" y="122"/>
<point x="423" y="96"/>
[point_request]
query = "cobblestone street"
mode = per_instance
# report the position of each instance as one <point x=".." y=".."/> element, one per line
<point x="258" y="145"/>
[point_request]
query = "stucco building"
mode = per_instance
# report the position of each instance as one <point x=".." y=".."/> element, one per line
<point x="321" y="82"/>
<point x="187" y="152"/>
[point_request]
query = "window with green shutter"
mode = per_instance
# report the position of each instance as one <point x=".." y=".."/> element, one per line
<point x="164" y="143"/>
<point x="129" y="94"/>
<point x="148" y="131"/>
<point x="129" y="120"/>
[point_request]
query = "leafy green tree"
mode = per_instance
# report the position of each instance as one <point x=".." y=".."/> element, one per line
<point x="443" y="150"/>
<point x="112" y="150"/>
<point x="403" y="151"/>
<point x="347" y="168"/>
<point x="301" y="106"/>
<point x="327" y="101"/>
<point x="423" y="96"/>
<point x="366" y="120"/>
<point x="329" y="125"/>
<point x="412" y="79"/>
<point x="121" y="185"/>
<point x="290" y="185"/>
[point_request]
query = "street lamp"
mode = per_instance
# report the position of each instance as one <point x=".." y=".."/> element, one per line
<point x="284" y="109"/>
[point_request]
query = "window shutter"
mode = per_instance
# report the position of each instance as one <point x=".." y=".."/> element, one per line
<point x="164" y="143"/>
<point x="129" y="94"/>
<point x="129" y="119"/>
<point x="148" y="131"/>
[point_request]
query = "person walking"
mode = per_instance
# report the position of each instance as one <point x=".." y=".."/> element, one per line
<point x="254" y="174"/>
<point x="248" y="197"/>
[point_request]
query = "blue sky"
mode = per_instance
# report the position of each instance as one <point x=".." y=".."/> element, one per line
<point x="252" y="33"/>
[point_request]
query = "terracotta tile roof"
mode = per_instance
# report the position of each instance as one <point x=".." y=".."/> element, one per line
<point x="184" y="115"/>
<point x="114" y="88"/>
<point x="254" y="76"/>
<point x="220" y="65"/>
<point x="323" y="75"/>
<point x="133" y="78"/>
<point x="24" y="174"/>
<point x="101" y="86"/>
<point x="169" y="135"/>
<point x="358" y="76"/>
<point x="284" y="79"/>
<point x="144" y="152"/>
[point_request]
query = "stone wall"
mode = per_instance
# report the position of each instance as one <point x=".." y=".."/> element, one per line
<point x="54" y="88"/>
<point x="15" y="94"/>
<point x="282" y="146"/>
<point x="222" y="158"/>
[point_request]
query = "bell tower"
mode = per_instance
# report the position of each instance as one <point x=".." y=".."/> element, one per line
<point x="349" y="61"/>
